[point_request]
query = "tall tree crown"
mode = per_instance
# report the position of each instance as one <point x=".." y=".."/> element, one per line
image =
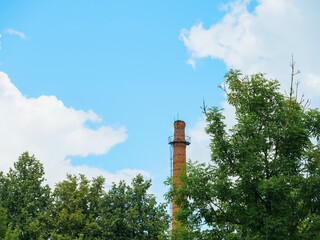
<point x="263" y="181"/>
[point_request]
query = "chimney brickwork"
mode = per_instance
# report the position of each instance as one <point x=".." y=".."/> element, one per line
<point x="179" y="144"/>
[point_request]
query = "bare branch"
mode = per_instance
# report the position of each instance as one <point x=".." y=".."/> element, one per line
<point x="204" y="107"/>
<point x="291" y="100"/>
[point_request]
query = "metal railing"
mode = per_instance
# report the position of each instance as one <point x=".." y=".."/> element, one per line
<point x="171" y="140"/>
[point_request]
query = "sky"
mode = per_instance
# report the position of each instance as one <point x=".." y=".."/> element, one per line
<point x="94" y="87"/>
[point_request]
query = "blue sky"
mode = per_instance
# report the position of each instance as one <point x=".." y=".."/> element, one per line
<point x="111" y="76"/>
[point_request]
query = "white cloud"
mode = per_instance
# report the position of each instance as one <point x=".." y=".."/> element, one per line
<point x="15" y="32"/>
<point x="44" y="126"/>
<point x="262" y="41"/>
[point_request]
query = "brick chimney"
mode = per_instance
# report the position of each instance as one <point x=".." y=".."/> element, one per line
<point x="179" y="143"/>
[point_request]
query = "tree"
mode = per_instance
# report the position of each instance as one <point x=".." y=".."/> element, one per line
<point x="263" y="181"/>
<point x="77" y="208"/>
<point x="26" y="198"/>
<point x="3" y="222"/>
<point x="13" y="234"/>
<point x="129" y="212"/>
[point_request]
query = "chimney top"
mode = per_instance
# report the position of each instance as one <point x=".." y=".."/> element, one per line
<point x="179" y="124"/>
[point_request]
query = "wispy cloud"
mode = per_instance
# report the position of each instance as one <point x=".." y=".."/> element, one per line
<point x="15" y="32"/>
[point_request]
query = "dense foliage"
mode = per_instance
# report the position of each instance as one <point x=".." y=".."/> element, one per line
<point x="130" y="212"/>
<point x="77" y="208"/>
<point x="263" y="181"/>
<point x="25" y="197"/>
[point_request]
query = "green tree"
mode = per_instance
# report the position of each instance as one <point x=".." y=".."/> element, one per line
<point x="77" y="208"/>
<point x="26" y="198"/>
<point x="3" y="222"/>
<point x="263" y="181"/>
<point x="12" y="234"/>
<point x="129" y="212"/>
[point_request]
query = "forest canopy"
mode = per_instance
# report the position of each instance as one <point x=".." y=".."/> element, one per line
<point x="77" y="208"/>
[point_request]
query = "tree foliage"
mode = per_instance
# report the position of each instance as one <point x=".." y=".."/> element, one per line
<point x="130" y="212"/>
<point x="3" y="222"/>
<point x="263" y="181"/>
<point x="77" y="208"/>
<point x="26" y="198"/>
